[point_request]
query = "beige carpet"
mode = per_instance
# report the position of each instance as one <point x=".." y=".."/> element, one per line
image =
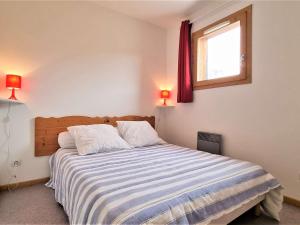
<point x="36" y="205"/>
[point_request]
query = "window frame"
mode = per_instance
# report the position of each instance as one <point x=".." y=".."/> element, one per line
<point x="245" y="18"/>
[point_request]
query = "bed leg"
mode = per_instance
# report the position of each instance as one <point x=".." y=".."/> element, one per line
<point x="257" y="210"/>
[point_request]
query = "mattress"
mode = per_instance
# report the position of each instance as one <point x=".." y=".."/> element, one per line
<point x="161" y="184"/>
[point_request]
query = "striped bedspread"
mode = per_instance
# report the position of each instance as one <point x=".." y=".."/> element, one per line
<point x="161" y="184"/>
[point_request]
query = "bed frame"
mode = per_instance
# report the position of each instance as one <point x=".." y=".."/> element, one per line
<point x="47" y="130"/>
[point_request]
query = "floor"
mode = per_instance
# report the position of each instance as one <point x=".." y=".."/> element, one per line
<point x="36" y="205"/>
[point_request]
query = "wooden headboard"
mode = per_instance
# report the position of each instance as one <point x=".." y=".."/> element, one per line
<point x="47" y="129"/>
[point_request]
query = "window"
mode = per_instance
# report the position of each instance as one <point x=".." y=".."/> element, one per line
<point x="222" y="52"/>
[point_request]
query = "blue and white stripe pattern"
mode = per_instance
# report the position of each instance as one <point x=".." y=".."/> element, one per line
<point x="161" y="184"/>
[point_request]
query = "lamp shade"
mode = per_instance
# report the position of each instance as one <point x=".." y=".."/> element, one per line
<point x="165" y="94"/>
<point x="13" y="81"/>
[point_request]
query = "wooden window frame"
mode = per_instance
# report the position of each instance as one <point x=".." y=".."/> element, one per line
<point x="245" y="18"/>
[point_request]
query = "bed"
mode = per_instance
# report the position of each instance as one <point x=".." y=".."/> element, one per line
<point x="160" y="184"/>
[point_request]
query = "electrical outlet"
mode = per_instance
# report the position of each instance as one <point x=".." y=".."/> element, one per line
<point x="16" y="163"/>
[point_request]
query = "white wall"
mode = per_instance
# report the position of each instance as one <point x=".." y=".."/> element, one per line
<point x="76" y="59"/>
<point x="260" y="122"/>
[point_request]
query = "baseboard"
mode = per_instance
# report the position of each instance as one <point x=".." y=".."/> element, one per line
<point x="23" y="184"/>
<point x="291" y="201"/>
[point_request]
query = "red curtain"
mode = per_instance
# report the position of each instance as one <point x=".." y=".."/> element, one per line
<point x="185" y="85"/>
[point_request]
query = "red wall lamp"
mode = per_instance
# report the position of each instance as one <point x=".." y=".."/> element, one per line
<point x="165" y="94"/>
<point x="13" y="82"/>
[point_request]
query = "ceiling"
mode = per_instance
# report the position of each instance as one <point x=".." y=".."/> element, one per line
<point x="163" y="13"/>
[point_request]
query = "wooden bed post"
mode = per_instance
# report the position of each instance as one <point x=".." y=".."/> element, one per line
<point x="257" y="210"/>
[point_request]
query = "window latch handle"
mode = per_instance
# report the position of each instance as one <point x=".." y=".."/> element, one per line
<point x="243" y="58"/>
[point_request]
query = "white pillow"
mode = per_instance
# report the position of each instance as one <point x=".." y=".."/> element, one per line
<point x="65" y="140"/>
<point x="138" y="133"/>
<point x="91" y="139"/>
